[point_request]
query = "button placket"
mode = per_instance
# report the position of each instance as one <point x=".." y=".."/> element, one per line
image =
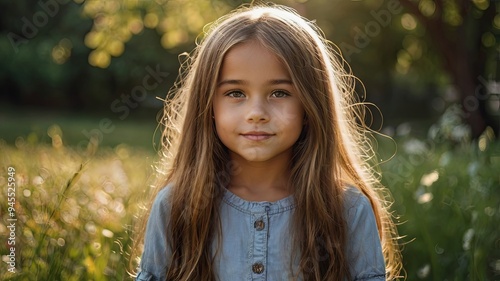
<point x="260" y="225"/>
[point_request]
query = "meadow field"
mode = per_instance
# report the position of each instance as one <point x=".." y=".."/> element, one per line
<point x="75" y="208"/>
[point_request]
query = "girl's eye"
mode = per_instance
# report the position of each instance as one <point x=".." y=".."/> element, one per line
<point x="280" y="94"/>
<point x="235" y="94"/>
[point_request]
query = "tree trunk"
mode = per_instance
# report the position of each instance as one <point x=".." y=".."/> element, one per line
<point x="460" y="48"/>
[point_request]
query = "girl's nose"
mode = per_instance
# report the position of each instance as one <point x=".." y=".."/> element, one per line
<point x="257" y="110"/>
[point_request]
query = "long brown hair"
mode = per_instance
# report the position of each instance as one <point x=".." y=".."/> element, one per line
<point x="331" y="153"/>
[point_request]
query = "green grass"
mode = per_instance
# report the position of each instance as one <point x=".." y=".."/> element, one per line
<point x="447" y="197"/>
<point x="74" y="210"/>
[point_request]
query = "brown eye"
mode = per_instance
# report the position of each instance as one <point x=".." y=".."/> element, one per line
<point x="280" y="94"/>
<point x="235" y="94"/>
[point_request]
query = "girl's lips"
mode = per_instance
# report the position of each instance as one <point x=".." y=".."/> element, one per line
<point x="257" y="136"/>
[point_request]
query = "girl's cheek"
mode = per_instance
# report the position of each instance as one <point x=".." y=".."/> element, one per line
<point x="289" y="113"/>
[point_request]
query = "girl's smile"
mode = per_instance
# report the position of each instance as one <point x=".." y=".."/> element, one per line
<point x="257" y="110"/>
<point x="257" y="135"/>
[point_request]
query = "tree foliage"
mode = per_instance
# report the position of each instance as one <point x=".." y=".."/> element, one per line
<point x="116" y="21"/>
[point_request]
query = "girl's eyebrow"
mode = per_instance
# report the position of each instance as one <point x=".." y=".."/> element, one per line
<point x="280" y="81"/>
<point x="231" y="82"/>
<point x="243" y="82"/>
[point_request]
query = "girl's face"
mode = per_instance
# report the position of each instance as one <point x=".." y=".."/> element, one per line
<point x="257" y="111"/>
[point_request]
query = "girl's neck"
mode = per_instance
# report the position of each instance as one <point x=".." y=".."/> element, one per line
<point x="261" y="181"/>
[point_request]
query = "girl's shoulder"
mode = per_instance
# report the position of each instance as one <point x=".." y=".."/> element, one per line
<point x="364" y="250"/>
<point x="354" y="195"/>
<point x="164" y="192"/>
<point x="161" y="202"/>
<point x="356" y="204"/>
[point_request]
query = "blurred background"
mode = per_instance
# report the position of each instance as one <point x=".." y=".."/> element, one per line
<point x="82" y="83"/>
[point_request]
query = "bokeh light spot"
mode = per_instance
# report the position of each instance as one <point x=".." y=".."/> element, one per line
<point x="408" y="22"/>
<point x="488" y="39"/>
<point x="99" y="58"/>
<point x="496" y="21"/>
<point x="151" y="20"/>
<point x="26" y="193"/>
<point x="61" y="242"/>
<point x="481" y="4"/>
<point x="425" y="198"/>
<point x="427" y="7"/>
<point x="430" y="178"/>
<point x="107" y="233"/>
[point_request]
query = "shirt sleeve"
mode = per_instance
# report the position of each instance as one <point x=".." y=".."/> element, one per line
<point x="156" y="254"/>
<point x="364" y="250"/>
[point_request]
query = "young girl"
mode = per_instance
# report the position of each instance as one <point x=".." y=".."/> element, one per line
<point x="263" y="165"/>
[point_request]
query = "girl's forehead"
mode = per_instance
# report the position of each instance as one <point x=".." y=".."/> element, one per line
<point x="252" y="59"/>
<point x="253" y="48"/>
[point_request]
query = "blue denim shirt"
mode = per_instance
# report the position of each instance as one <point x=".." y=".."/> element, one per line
<point x="256" y="240"/>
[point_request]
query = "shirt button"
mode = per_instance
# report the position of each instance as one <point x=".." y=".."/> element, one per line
<point x="259" y="225"/>
<point x="258" y="268"/>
